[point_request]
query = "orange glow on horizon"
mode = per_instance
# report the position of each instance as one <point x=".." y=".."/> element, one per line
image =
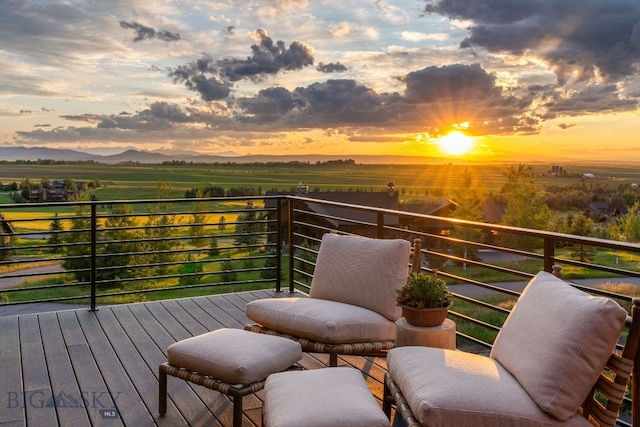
<point x="456" y="144"/>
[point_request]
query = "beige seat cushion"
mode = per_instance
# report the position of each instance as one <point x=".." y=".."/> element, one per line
<point x="453" y="388"/>
<point x="235" y="356"/>
<point x="328" y="397"/>
<point x="361" y="271"/>
<point x="321" y="320"/>
<point x="556" y="341"/>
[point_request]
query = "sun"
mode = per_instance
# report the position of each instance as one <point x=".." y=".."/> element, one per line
<point x="455" y="144"/>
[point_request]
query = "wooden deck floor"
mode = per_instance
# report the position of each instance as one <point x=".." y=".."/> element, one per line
<point x="82" y="368"/>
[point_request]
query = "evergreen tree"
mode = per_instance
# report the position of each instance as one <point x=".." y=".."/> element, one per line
<point x="121" y="245"/>
<point x="189" y="272"/>
<point x="247" y="225"/>
<point x="197" y="227"/>
<point x="55" y="238"/>
<point x="627" y="227"/>
<point x="77" y="255"/>
<point x="525" y="207"/>
<point x="160" y="247"/>
<point x="6" y="247"/>
<point x="467" y="198"/>
<point x="228" y="275"/>
<point x="582" y="226"/>
<point x="307" y="261"/>
<point x="270" y="271"/>
<point x="214" y="250"/>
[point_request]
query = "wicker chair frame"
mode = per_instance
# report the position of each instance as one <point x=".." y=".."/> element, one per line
<point x="374" y="348"/>
<point x="236" y="391"/>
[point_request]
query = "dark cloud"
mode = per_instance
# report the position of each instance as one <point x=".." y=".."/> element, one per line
<point x="581" y="38"/>
<point x="195" y="78"/>
<point x="332" y="67"/>
<point x="267" y="58"/>
<point x="147" y="33"/>
<point x="271" y="103"/>
<point x="43" y="125"/>
<point x="229" y="31"/>
<point x="347" y="102"/>
<point x="158" y="116"/>
<point x="451" y="83"/>
<point x="334" y="102"/>
<point x="565" y="126"/>
<point x="593" y="99"/>
<point x="434" y="99"/>
<point x="443" y="96"/>
<point x="213" y="79"/>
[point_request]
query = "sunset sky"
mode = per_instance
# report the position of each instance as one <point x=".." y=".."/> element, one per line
<point x="524" y="78"/>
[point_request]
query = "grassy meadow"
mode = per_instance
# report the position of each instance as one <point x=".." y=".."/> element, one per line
<point x="128" y="182"/>
<point x="141" y="182"/>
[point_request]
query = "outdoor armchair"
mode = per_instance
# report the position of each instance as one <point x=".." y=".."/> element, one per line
<point x="545" y="367"/>
<point x="351" y="308"/>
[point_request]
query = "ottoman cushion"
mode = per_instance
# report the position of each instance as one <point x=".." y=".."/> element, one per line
<point x="320" y="397"/>
<point x="234" y="356"/>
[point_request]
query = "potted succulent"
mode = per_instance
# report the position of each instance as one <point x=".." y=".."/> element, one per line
<point x="425" y="299"/>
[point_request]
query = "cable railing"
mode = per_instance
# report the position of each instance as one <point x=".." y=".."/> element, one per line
<point x="93" y="253"/>
<point x="124" y="251"/>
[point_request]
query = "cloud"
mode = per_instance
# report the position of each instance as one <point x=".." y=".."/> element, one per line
<point x="147" y="33"/>
<point x="592" y="99"/>
<point x="451" y="83"/>
<point x="332" y="67"/>
<point x="213" y="79"/>
<point x="565" y="126"/>
<point x="415" y="36"/>
<point x="579" y="39"/>
<point x="433" y="100"/>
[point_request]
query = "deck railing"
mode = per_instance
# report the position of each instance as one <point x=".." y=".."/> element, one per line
<point x="121" y="251"/>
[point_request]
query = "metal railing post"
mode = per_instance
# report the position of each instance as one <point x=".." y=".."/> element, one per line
<point x="290" y="244"/>
<point x="94" y="234"/>
<point x="380" y="225"/>
<point x="279" y="246"/>
<point x="549" y="254"/>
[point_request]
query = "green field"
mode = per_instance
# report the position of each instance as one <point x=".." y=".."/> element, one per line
<point x="129" y="182"/>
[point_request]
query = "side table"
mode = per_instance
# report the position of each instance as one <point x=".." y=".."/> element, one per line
<point x="443" y="336"/>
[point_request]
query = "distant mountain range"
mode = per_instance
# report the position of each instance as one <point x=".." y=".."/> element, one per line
<point x="157" y="157"/>
<point x="136" y="156"/>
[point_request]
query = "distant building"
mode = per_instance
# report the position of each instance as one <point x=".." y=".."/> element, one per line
<point x="55" y="193"/>
<point x="323" y="216"/>
<point x="557" y="170"/>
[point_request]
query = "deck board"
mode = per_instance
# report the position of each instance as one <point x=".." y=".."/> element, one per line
<point x="11" y="401"/>
<point x="70" y="410"/>
<point x="35" y="374"/>
<point x="101" y="368"/>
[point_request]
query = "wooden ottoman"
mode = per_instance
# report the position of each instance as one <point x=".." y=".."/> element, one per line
<point x="234" y="362"/>
<point x="327" y="397"/>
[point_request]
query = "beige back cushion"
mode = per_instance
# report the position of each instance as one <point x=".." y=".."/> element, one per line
<point x="361" y="271"/>
<point x="556" y="342"/>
